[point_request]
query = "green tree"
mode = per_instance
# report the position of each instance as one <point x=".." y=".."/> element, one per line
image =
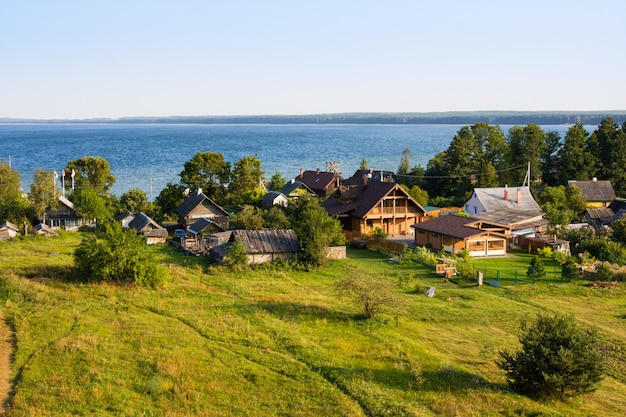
<point x="134" y="200"/>
<point x="245" y="184"/>
<point x="277" y="182"/>
<point x="526" y="144"/>
<point x="275" y="218"/>
<point x="549" y="158"/>
<point x="91" y="206"/>
<point x="372" y="294"/>
<point x="315" y="229"/>
<point x="419" y="195"/>
<point x="405" y="162"/>
<point x="557" y="359"/>
<point x="208" y="171"/>
<point x="13" y="206"/>
<point x="90" y="171"/>
<point x="618" y="230"/>
<point x="118" y="256"/>
<point x="247" y="218"/>
<point x="236" y="255"/>
<point x="169" y="199"/>
<point x="575" y="162"/>
<point x="43" y="192"/>
<point x="561" y="204"/>
<point x="536" y="270"/>
<point x="364" y="164"/>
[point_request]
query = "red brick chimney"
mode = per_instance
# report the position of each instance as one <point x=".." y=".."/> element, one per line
<point x="519" y="196"/>
<point x="506" y="192"/>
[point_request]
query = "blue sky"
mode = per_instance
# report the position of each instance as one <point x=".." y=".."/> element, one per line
<point x="79" y="59"/>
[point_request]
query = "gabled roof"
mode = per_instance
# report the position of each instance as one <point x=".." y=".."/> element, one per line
<point x="66" y="202"/>
<point x="374" y="175"/>
<point x="513" y="218"/>
<point x="594" y="191"/>
<point x="124" y="215"/>
<point x="44" y="229"/>
<point x="358" y="198"/>
<point x="9" y="225"/>
<point x="603" y="213"/>
<point x="293" y="185"/>
<point x="494" y="198"/>
<point x="268" y="240"/>
<point x="142" y="221"/>
<point x="454" y="226"/>
<point x="618" y="204"/>
<point x="269" y="199"/>
<point x="193" y="201"/>
<point x="201" y="224"/>
<point x="319" y="181"/>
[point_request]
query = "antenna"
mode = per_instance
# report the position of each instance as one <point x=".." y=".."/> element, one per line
<point x="527" y="177"/>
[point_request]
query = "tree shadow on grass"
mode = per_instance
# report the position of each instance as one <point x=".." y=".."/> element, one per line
<point x="46" y="272"/>
<point x="289" y="310"/>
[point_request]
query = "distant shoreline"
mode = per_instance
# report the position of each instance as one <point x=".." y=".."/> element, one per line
<point x="463" y="117"/>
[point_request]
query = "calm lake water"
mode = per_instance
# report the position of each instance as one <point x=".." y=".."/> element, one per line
<point x="138" y="153"/>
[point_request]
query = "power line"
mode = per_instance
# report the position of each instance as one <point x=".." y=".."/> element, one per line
<point x="461" y="176"/>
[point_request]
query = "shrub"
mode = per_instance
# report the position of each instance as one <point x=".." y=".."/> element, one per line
<point x="236" y="255"/>
<point x="545" y="252"/>
<point x="118" y="256"/>
<point x="370" y="293"/>
<point x="570" y="270"/>
<point x="557" y="359"/>
<point x="537" y="268"/>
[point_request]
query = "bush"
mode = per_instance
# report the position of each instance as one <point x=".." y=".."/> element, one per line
<point x="536" y="268"/>
<point x="370" y="293"/>
<point x="236" y="255"/>
<point x="545" y="252"/>
<point x="557" y="359"/>
<point x="118" y="256"/>
<point x="570" y="270"/>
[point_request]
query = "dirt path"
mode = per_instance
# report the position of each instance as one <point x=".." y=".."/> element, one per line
<point x="7" y="347"/>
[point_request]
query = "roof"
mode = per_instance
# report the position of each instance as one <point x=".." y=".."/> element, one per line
<point x="357" y="198"/>
<point x="9" y="225"/>
<point x="318" y="181"/>
<point x="293" y="185"/>
<point x="66" y="202"/>
<point x="44" y="228"/>
<point x="603" y="213"/>
<point x="595" y="190"/>
<point x="269" y="199"/>
<point x="513" y="218"/>
<point x="454" y="226"/>
<point x="193" y="201"/>
<point x="200" y="225"/>
<point x="141" y="221"/>
<point x="493" y="198"/>
<point x="618" y="204"/>
<point x="124" y="215"/>
<point x="268" y="240"/>
<point x="375" y="175"/>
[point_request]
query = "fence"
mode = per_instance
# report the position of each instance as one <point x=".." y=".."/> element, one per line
<point x="498" y="277"/>
<point x="385" y="246"/>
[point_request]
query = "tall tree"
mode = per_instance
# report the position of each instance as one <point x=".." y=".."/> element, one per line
<point x="13" y="205"/>
<point x="608" y="144"/>
<point x="209" y="171"/>
<point x="245" y="183"/>
<point x="134" y="200"/>
<point x="575" y="161"/>
<point x="405" y="162"/>
<point x="169" y="199"/>
<point x="90" y="171"/>
<point x="43" y="192"/>
<point x="276" y="182"/>
<point x="549" y="158"/>
<point x="91" y="206"/>
<point x="463" y="160"/>
<point x="526" y="144"/>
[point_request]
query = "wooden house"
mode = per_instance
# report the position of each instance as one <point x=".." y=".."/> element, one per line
<point x="8" y="230"/>
<point x="362" y="206"/>
<point x="264" y="245"/>
<point x="597" y="193"/>
<point x="455" y="233"/>
<point x="63" y="216"/>
<point x="198" y="206"/>
<point x="274" y="198"/>
<point x="153" y="232"/>
<point x="322" y="183"/>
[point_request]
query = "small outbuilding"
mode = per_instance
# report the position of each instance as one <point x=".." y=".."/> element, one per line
<point x="153" y="232"/>
<point x="8" y="230"/>
<point x="264" y="245"/>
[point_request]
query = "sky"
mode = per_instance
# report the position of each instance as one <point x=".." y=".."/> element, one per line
<point x="84" y="59"/>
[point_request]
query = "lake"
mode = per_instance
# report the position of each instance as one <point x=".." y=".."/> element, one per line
<point x="141" y="153"/>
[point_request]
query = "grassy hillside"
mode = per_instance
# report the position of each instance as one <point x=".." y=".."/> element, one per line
<point x="280" y="342"/>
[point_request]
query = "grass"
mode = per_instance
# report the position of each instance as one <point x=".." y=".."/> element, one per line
<point x="270" y="341"/>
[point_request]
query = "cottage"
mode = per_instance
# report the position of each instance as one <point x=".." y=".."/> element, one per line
<point x="265" y="245"/>
<point x="153" y="232"/>
<point x="8" y="230"/>
<point x="63" y="216"/>
<point x="294" y="189"/>
<point x="274" y="198"/>
<point x="322" y="183"/>
<point x="198" y="206"/>
<point x="125" y="218"/>
<point x="501" y="198"/>
<point x="597" y="193"/>
<point x="362" y="205"/>
<point x="455" y="233"/>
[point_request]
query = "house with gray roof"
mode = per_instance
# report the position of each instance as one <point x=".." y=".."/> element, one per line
<point x="264" y="245"/>
<point x="501" y="198"/>
<point x="63" y="216"/>
<point x="274" y="198"/>
<point x="198" y="206"/>
<point x="8" y="230"/>
<point x="598" y="193"/>
<point x="144" y="225"/>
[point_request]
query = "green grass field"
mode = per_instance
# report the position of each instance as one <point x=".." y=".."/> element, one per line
<point x="282" y="342"/>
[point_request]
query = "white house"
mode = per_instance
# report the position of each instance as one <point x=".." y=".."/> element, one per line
<point x="501" y="198"/>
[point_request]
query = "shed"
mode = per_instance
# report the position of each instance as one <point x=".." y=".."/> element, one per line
<point x="274" y="198"/>
<point x="8" y="230"/>
<point x="264" y="245"/>
<point x="153" y="232"/>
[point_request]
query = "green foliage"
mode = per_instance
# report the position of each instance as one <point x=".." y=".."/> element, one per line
<point x="561" y="204"/>
<point x="169" y="199"/>
<point x="134" y="200"/>
<point x="575" y="162"/>
<point x="405" y="162"/>
<point x="245" y="181"/>
<point x="275" y="218"/>
<point x="364" y="164"/>
<point x="370" y="293"/>
<point x="13" y="206"/>
<point x="557" y="359"/>
<point x="536" y="269"/>
<point x="91" y="206"/>
<point x="208" y="171"/>
<point x="604" y="250"/>
<point x="378" y="232"/>
<point x="91" y="171"/>
<point x="118" y="256"/>
<point x="277" y="182"/>
<point x="43" y="192"/>
<point x="618" y="230"/>
<point x="418" y="194"/>
<point x="545" y="253"/>
<point x="248" y="218"/>
<point x="569" y="269"/>
<point x="236" y="255"/>
<point x="604" y="272"/>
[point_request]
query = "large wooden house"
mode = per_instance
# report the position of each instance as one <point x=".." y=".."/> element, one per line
<point x="198" y="206"/>
<point x="63" y="216"/>
<point x="362" y="206"/>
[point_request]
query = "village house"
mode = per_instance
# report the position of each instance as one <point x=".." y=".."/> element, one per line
<point x="198" y="206"/>
<point x="322" y="183"/>
<point x="362" y="206"/>
<point x="125" y="218"/>
<point x="501" y="198"/>
<point x="144" y="225"/>
<point x="274" y="198"/>
<point x="266" y="245"/>
<point x="294" y="189"/>
<point x="455" y="233"/>
<point x="8" y="230"/>
<point x="63" y="216"/>
<point x="597" y="193"/>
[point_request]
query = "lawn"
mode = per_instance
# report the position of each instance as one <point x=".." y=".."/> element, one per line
<point x="282" y="341"/>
